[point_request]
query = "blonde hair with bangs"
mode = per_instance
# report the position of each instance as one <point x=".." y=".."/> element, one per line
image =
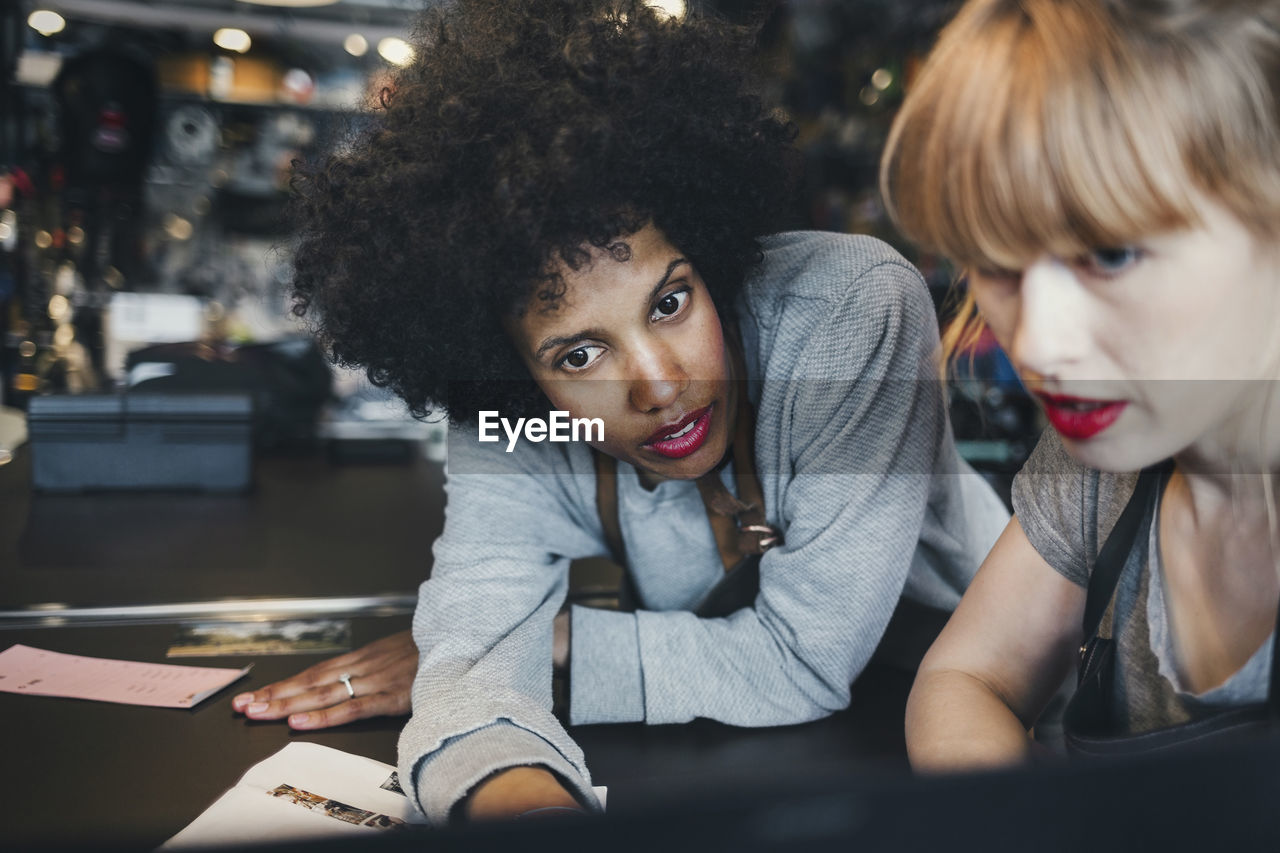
<point x="1061" y="126"/>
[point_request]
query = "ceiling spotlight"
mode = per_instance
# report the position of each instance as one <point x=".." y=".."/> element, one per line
<point x="672" y="8"/>
<point x="356" y="44"/>
<point x="232" y="39"/>
<point x="396" y="51"/>
<point x="45" y="22"/>
<point x="177" y="227"/>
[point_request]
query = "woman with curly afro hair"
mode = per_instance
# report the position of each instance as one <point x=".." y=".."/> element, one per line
<point x="571" y="205"/>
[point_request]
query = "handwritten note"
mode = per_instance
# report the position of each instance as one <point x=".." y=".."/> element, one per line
<point x="24" y="669"/>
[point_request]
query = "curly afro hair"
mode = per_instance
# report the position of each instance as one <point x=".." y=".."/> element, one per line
<point x="521" y="134"/>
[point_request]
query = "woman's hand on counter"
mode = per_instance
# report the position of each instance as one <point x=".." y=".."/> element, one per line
<point x="381" y="675"/>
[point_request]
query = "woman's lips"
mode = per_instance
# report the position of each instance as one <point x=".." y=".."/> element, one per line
<point x="680" y="439"/>
<point x="1080" y="417"/>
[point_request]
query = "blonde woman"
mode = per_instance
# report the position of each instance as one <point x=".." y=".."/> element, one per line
<point x="1108" y="174"/>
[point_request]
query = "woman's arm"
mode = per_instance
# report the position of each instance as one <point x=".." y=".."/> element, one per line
<point x="482" y="695"/>
<point x="1007" y="648"/>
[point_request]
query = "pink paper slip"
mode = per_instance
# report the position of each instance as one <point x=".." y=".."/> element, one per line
<point x="42" y="673"/>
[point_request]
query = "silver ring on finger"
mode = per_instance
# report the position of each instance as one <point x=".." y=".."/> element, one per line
<point x="345" y="678"/>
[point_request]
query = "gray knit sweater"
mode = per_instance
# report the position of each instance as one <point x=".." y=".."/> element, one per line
<point x="858" y="469"/>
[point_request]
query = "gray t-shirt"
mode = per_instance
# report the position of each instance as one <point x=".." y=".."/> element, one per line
<point x="1067" y="512"/>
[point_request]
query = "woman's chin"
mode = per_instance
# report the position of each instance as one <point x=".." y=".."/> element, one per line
<point x="655" y="468"/>
<point x="1119" y="453"/>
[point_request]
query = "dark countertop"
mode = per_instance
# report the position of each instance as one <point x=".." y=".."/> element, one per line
<point x="79" y="772"/>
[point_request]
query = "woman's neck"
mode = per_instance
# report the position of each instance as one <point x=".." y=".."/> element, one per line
<point x="1236" y="467"/>
<point x="1236" y="504"/>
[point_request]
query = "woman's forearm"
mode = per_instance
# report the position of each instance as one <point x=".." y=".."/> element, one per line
<point x="956" y="722"/>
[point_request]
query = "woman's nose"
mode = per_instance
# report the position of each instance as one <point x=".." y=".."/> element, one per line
<point x="657" y="378"/>
<point x="1051" y="330"/>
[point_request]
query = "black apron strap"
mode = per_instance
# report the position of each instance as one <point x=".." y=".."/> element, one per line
<point x="628" y="597"/>
<point x="607" y="504"/>
<point x="1115" y="552"/>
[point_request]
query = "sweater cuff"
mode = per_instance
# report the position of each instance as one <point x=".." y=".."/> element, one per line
<point x="606" y="684"/>
<point x="444" y="777"/>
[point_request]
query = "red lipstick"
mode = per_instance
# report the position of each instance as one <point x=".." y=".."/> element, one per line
<point x="1080" y="418"/>
<point x="683" y="437"/>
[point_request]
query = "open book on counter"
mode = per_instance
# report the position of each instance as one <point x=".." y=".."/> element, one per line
<point x="305" y="791"/>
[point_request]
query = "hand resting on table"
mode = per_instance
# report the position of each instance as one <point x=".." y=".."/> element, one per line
<point x="381" y="676"/>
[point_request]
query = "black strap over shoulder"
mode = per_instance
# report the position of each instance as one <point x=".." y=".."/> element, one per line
<point x="1115" y="552"/>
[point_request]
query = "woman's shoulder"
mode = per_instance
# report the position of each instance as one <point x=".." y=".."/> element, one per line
<point x="1066" y="509"/>
<point x="828" y="266"/>
<point x="831" y="303"/>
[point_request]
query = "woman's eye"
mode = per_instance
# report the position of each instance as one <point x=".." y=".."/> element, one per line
<point x="580" y="358"/>
<point x="670" y="304"/>
<point x="1111" y="260"/>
